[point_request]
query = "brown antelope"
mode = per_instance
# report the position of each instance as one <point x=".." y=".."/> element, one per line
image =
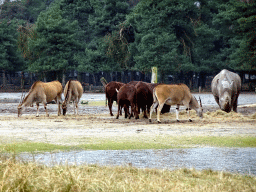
<point x="174" y="95"/>
<point x="41" y="92"/>
<point x="72" y="92"/>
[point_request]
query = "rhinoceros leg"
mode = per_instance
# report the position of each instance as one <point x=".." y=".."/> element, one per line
<point x="235" y="103"/>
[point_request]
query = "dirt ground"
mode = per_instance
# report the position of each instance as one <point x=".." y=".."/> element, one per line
<point x="95" y="122"/>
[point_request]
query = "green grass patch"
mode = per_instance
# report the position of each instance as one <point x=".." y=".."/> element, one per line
<point x="165" y="142"/>
<point x="223" y="141"/>
<point x="158" y="142"/>
<point x="33" y="147"/>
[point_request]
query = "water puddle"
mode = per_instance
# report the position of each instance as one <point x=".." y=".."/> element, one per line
<point x="235" y="160"/>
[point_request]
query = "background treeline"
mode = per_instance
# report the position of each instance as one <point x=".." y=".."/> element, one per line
<point x="187" y="40"/>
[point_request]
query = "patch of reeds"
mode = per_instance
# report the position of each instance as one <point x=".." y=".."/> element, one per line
<point x="253" y="116"/>
<point x="29" y="176"/>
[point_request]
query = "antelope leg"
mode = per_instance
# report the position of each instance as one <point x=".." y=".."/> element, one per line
<point x="46" y="111"/>
<point x="177" y="113"/>
<point x="59" y="109"/>
<point x="37" y="111"/>
<point x="159" y="109"/>
<point x="188" y="112"/>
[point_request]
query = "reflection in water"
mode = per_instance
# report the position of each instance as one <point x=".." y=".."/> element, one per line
<point x="236" y="160"/>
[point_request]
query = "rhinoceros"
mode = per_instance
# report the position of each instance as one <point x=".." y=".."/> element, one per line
<point x="226" y="87"/>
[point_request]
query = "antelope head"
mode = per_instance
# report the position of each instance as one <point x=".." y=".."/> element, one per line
<point x="20" y="104"/>
<point x="64" y="107"/>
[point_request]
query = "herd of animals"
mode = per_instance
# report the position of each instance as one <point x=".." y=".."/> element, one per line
<point x="137" y="95"/>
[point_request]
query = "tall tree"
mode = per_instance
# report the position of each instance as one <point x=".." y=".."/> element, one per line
<point x="237" y="22"/>
<point x="55" y="43"/>
<point x="164" y="35"/>
<point x="10" y="57"/>
<point x="78" y="10"/>
<point x="105" y="19"/>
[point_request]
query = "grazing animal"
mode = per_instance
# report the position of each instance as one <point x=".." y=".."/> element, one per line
<point x="41" y="92"/>
<point x="72" y="92"/>
<point x="226" y="87"/>
<point x="144" y="98"/>
<point x="166" y="108"/>
<point x="126" y="97"/>
<point x="174" y="95"/>
<point x="133" y="82"/>
<point x="111" y="94"/>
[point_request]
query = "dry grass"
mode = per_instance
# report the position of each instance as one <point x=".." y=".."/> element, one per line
<point x="253" y="116"/>
<point x="17" y="176"/>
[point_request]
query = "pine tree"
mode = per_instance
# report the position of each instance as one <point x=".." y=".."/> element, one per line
<point x="55" y="43"/>
<point x="236" y="19"/>
<point x="164" y="35"/>
<point x="105" y="19"/>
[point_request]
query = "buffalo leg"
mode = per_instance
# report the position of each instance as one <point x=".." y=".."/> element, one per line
<point x="110" y="103"/>
<point x="145" y="112"/>
<point x="133" y="111"/>
<point x="118" y="111"/>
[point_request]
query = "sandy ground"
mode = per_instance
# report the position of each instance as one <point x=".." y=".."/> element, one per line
<point x="94" y="122"/>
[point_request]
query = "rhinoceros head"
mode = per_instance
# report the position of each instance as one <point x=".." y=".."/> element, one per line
<point x="225" y="96"/>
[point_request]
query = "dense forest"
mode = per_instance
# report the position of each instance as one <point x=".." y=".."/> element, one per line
<point x="182" y="37"/>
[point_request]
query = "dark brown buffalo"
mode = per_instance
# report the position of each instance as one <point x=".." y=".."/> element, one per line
<point x="111" y="94"/>
<point x="126" y="97"/>
<point x="133" y="82"/>
<point x="144" y="97"/>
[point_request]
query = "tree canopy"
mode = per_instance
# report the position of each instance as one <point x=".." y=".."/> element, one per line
<point x="113" y="35"/>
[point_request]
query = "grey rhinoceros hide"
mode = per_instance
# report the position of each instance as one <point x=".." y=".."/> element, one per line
<point x="226" y="87"/>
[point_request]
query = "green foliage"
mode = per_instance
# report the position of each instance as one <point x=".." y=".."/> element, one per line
<point x="78" y="10"/>
<point x="10" y="58"/>
<point x="55" y="42"/>
<point x="118" y="46"/>
<point x="103" y="22"/>
<point x="13" y="10"/>
<point x="23" y="9"/>
<point x="164" y="35"/>
<point x="114" y="35"/>
<point x="236" y="20"/>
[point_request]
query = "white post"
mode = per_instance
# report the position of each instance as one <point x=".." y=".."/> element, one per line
<point x="154" y="75"/>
